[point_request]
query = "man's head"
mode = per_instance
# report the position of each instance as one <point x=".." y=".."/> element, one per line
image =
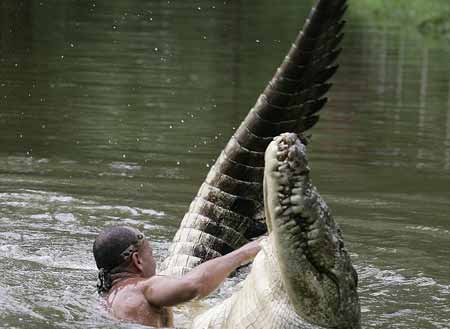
<point x="122" y="249"/>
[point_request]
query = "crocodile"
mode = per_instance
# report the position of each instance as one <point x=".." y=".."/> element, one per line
<point x="303" y="278"/>
<point x="309" y="282"/>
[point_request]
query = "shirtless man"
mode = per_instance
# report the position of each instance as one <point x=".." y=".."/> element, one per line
<point x="131" y="287"/>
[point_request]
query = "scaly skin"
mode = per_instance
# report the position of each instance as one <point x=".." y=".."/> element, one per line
<point x="228" y="209"/>
<point x="315" y="267"/>
<point x="303" y="278"/>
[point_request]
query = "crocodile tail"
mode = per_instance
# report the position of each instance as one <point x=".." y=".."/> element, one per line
<point x="228" y="209"/>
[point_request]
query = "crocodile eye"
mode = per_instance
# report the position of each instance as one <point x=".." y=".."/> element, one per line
<point x="140" y="236"/>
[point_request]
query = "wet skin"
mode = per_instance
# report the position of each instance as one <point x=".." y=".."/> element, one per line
<point x="139" y="295"/>
<point x="127" y="300"/>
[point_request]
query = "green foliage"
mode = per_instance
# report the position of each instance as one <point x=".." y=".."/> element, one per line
<point x="430" y="17"/>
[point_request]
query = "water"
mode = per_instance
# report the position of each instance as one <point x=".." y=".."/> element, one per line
<point x="111" y="113"/>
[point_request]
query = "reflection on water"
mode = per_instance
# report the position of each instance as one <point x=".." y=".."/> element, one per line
<point x="112" y="113"/>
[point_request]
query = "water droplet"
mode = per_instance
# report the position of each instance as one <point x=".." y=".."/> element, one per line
<point x="182" y="121"/>
<point x="156" y="49"/>
<point x="72" y="45"/>
<point x="258" y="41"/>
<point x="170" y="127"/>
<point x="178" y="163"/>
<point x="124" y="156"/>
<point x="207" y="165"/>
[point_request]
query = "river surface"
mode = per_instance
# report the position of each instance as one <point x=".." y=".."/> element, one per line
<point x="112" y="112"/>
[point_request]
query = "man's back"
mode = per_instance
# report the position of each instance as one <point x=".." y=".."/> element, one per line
<point x="126" y="301"/>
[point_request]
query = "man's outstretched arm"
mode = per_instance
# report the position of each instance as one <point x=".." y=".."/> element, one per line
<point x="201" y="281"/>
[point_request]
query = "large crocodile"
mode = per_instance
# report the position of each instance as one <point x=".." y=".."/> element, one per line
<point x="304" y="276"/>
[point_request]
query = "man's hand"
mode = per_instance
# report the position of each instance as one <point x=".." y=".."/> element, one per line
<point x="250" y="250"/>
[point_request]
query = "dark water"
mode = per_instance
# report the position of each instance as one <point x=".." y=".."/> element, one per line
<point x="112" y="112"/>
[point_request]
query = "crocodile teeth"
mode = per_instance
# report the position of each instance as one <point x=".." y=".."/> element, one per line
<point x="293" y="153"/>
<point x="312" y="243"/>
<point x="314" y="234"/>
<point x="297" y="209"/>
<point x="297" y="245"/>
<point x="278" y="210"/>
<point x="296" y="199"/>
<point x="281" y="155"/>
<point x="283" y="180"/>
<point x="298" y="183"/>
<point x="285" y="202"/>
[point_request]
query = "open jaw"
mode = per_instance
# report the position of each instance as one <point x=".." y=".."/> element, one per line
<point x="316" y="269"/>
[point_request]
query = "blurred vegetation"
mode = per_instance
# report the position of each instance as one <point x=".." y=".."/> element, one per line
<point x="430" y="17"/>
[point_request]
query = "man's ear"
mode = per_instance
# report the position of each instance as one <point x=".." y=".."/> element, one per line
<point x="137" y="262"/>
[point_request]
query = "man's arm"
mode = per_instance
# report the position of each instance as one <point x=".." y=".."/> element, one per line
<point x="201" y="281"/>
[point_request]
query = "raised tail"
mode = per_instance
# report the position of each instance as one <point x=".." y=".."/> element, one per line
<point x="228" y="209"/>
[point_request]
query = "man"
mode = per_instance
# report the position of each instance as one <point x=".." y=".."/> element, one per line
<point x="132" y="289"/>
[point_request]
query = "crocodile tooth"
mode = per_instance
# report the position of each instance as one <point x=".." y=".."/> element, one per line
<point x="281" y="155"/>
<point x="296" y="199"/>
<point x="278" y="210"/>
<point x="300" y="181"/>
<point x="312" y="243"/>
<point x="297" y="245"/>
<point x="297" y="209"/>
<point x="283" y="167"/>
<point x="313" y="234"/>
<point x="292" y="154"/>
<point x="285" y="201"/>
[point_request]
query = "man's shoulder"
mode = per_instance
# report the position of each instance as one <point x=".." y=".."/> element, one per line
<point x="148" y="283"/>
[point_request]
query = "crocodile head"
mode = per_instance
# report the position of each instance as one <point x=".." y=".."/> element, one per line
<point x="316" y="270"/>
